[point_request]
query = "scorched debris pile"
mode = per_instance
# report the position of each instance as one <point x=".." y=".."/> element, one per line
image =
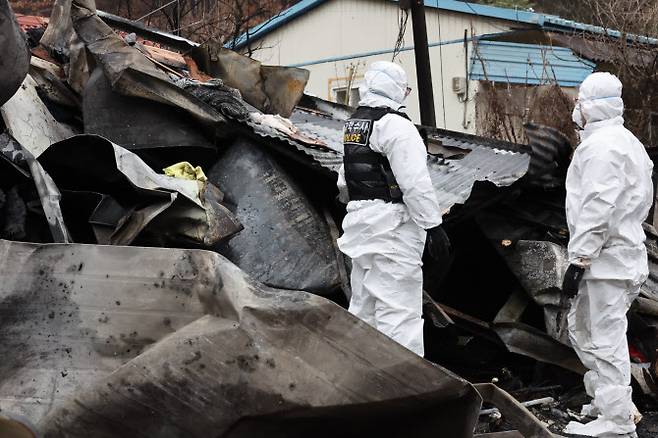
<point x="210" y="297"/>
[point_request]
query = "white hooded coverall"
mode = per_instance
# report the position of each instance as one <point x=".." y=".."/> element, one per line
<point x="386" y="240"/>
<point x="609" y="194"/>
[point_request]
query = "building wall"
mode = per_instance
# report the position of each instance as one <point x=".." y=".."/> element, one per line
<point x="353" y="28"/>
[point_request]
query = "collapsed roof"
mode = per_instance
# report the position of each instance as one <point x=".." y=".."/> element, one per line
<point x="230" y="326"/>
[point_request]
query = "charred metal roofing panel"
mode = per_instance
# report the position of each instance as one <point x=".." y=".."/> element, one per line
<point x="326" y="157"/>
<point x="498" y="162"/>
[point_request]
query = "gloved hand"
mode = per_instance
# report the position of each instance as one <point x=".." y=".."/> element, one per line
<point x="572" y="279"/>
<point x="437" y="243"/>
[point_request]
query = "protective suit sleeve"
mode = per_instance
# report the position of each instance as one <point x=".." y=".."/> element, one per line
<point x="399" y="140"/>
<point x="603" y="184"/>
<point x="343" y="195"/>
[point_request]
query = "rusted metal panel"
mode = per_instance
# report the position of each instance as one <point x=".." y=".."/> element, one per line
<point x="284" y="86"/>
<point x="271" y="89"/>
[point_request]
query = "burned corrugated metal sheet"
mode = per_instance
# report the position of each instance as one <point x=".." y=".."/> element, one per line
<point x="322" y="126"/>
<point x="453" y="180"/>
<point x="111" y="190"/>
<point x="323" y="157"/>
<point x="550" y="151"/>
<point x="261" y="362"/>
<point x="137" y="123"/>
<point x="271" y="89"/>
<point x="284" y="86"/>
<point x="498" y="162"/>
<point x="59" y="32"/>
<point x="321" y="106"/>
<point x="70" y="314"/>
<point x="285" y="243"/>
<point x="28" y="120"/>
<point x="539" y="267"/>
<point x="132" y="74"/>
<point x="526" y="340"/>
<point x="15" y="58"/>
<point x="155" y="35"/>
<point x="50" y="87"/>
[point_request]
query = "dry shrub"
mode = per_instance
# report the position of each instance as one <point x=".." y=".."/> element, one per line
<point x="503" y="109"/>
<point x="500" y="111"/>
<point x="551" y="106"/>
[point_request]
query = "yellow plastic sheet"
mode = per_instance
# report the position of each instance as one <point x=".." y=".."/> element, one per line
<point x="185" y="170"/>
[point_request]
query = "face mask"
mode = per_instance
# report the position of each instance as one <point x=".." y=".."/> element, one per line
<point x="577" y="116"/>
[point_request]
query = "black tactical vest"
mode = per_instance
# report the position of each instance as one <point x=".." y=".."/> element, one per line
<point x="368" y="173"/>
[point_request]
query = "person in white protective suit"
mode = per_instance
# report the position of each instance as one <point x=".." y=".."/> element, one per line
<point x="391" y="205"/>
<point x="609" y="194"/>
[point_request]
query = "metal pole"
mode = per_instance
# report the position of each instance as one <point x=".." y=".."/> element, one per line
<point x="423" y="69"/>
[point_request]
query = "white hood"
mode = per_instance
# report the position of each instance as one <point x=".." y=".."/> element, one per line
<point x="385" y="84"/>
<point x="600" y="99"/>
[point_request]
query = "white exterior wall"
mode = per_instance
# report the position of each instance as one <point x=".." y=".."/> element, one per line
<point x="346" y="28"/>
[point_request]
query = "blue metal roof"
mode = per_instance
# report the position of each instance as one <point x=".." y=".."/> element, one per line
<point x="518" y="15"/>
<point x="549" y="22"/>
<point x="528" y="64"/>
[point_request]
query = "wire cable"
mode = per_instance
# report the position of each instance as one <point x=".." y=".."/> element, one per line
<point x="443" y="94"/>
<point x="403" y="19"/>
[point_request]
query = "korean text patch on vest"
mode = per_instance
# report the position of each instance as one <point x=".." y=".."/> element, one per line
<point x="357" y="131"/>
